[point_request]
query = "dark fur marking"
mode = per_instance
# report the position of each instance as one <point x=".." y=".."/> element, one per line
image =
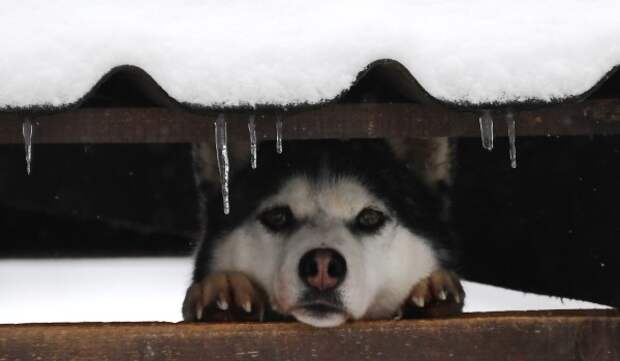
<point x="372" y="162"/>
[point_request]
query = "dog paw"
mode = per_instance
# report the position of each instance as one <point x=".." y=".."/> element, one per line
<point x="438" y="295"/>
<point x="224" y="297"/>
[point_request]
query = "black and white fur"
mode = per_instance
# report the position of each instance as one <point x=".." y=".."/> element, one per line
<point x="246" y="266"/>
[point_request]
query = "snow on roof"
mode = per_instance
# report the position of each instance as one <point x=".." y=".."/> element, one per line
<point x="283" y="52"/>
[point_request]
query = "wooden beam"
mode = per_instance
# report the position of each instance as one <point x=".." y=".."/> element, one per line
<point x="162" y="125"/>
<point x="544" y="336"/>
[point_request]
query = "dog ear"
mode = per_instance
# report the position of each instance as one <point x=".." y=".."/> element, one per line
<point x="430" y="158"/>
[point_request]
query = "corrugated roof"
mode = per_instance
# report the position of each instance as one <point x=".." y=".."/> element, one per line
<point x="214" y="55"/>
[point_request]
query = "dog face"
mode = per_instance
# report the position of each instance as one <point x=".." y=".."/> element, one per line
<point x="327" y="250"/>
<point x="336" y="237"/>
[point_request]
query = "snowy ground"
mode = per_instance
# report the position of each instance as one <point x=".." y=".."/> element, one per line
<point x="139" y="289"/>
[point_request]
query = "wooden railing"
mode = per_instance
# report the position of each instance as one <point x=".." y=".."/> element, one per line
<point x="544" y="336"/>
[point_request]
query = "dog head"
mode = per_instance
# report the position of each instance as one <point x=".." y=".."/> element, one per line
<point x="332" y="230"/>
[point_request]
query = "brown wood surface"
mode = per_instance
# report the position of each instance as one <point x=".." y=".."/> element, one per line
<point x="162" y="125"/>
<point x="544" y="336"/>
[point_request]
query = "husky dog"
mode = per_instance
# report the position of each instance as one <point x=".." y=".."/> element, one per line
<point x="328" y="231"/>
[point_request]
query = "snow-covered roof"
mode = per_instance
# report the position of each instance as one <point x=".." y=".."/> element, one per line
<point x="283" y="52"/>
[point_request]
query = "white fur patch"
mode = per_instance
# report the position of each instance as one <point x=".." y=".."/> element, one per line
<point x="381" y="268"/>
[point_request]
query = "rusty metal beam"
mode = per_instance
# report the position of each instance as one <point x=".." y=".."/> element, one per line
<point x="162" y="125"/>
<point x="549" y="336"/>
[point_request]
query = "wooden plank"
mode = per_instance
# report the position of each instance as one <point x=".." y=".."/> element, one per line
<point x="544" y="336"/>
<point x="162" y="125"/>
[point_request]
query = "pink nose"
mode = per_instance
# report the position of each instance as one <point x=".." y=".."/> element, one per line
<point x="322" y="268"/>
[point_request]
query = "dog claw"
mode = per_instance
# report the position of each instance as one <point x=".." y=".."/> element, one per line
<point x="223" y="305"/>
<point x="199" y="312"/>
<point x="440" y="293"/>
<point x="247" y="307"/>
<point x="224" y="296"/>
<point x="457" y="298"/>
<point x="398" y="315"/>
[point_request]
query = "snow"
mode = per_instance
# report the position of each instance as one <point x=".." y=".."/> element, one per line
<point x="214" y="53"/>
<point x="152" y="289"/>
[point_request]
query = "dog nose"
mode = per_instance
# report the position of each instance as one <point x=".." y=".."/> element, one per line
<point x="322" y="268"/>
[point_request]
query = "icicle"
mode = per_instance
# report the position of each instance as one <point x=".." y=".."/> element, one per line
<point x="279" y="126"/>
<point x="221" y="147"/>
<point x="253" y="146"/>
<point x="486" y="130"/>
<point x="27" y="131"/>
<point x="512" y="138"/>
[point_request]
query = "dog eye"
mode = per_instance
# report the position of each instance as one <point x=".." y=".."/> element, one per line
<point x="369" y="220"/>
<point x="277" y="219"/>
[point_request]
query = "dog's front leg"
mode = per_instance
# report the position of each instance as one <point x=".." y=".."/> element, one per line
<point x="224" y="297"/>
<point x="438" y="295"/>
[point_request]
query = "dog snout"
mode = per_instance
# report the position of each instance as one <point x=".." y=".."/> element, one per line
<point x="322" y="268"/>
